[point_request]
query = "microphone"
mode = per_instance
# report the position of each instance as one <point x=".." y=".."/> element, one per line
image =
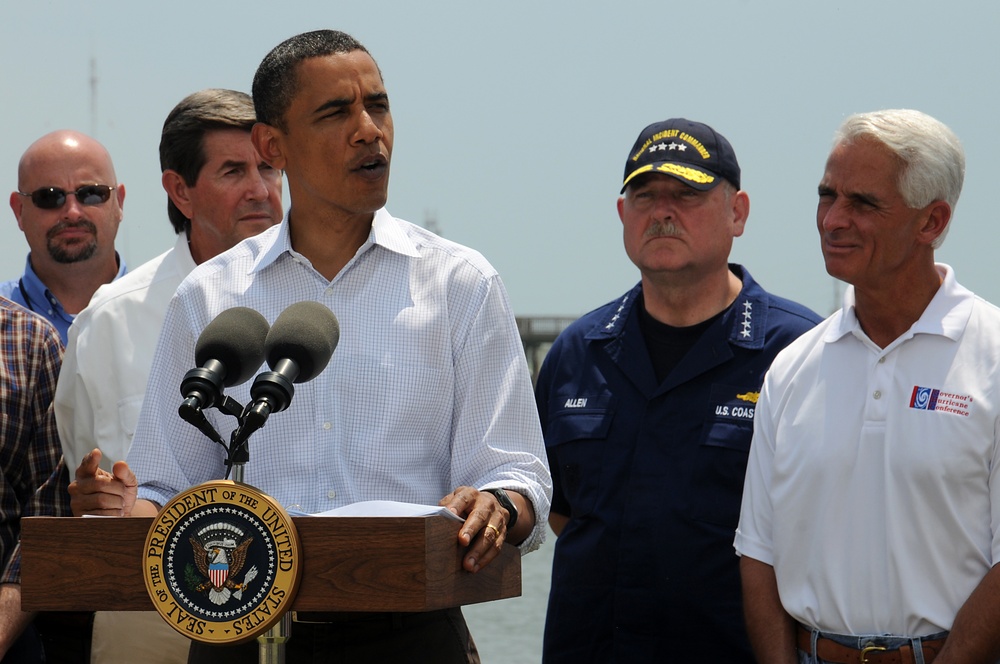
<point x="228" y="352"/>
<point x="298" y="347"/>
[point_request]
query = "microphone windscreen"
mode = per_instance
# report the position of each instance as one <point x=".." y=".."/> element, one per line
<point x="306" y="332"/>
<point x="236" y="339"/>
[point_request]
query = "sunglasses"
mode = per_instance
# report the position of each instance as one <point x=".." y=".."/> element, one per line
<point x="52" y="198"/>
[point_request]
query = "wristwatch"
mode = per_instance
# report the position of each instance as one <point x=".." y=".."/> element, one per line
<point x="506" y="503"/>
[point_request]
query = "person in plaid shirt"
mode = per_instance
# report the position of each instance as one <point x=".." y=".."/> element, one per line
<point x="30" y="358"/>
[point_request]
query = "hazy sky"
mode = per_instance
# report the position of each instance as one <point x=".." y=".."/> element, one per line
<point x="513" y="120"/>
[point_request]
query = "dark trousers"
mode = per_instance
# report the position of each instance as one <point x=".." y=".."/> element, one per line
<point x="26" y="650"/>
<point x="55" y="637"/>
<point x="434" y="637"/>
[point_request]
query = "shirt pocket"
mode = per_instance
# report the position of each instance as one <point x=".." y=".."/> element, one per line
<point x="719" y="471"/>
<point x="728" y="435"/>
<point x="721" y="458"/>
<point x="576" y="438"/>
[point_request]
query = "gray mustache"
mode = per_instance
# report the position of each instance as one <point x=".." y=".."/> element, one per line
<point x="662" y="229"/>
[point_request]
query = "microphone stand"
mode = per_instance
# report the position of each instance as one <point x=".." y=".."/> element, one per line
<point x="270" y="644"/>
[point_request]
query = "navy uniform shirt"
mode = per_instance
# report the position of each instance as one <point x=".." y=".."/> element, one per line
<point x="651" y="476"/>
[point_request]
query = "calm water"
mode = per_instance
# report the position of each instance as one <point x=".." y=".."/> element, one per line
<point x="509" y="631"/>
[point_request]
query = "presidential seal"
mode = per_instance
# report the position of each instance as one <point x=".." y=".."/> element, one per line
<point x="222" y="562"/>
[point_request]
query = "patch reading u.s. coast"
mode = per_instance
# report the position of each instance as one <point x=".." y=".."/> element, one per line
<point x="733" y="403"/>
<point x="222" y="562"/>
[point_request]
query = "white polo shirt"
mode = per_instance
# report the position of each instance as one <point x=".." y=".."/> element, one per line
<point x="872" y="483"/>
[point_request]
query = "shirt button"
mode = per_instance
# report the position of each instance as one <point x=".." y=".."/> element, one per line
<point x="329" y="291"/>
<point x="327" y="425"/>
<point x="881" y="360"/>
<point x="331" y="494"/>
<point x="877" y="394"/>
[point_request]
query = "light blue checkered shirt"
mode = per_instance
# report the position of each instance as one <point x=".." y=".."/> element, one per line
<point x="427" y="390"/>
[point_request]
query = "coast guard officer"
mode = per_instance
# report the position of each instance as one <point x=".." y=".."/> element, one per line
<point x="647" y="406"/>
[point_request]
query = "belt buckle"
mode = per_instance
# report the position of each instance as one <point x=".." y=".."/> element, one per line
<point x="868" y="649"/>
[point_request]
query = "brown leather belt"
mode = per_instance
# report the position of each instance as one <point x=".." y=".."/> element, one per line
<point x="831" y="651"/>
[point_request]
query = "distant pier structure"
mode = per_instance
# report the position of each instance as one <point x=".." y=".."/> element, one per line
<point x="537" y="335"/>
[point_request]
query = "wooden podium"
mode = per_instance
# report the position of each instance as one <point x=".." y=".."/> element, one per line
<point x="349" y="564"/>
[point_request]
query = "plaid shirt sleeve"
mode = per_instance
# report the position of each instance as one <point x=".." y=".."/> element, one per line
<point x="30" y="357"/>
<point x="51" y="499"/>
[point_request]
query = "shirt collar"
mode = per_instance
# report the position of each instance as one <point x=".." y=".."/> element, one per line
<point x="386" y="231"/>
<point x="33" y="286"/>
<point x="746" y="319"/>
<point x="389" y="232"/>
<point x="182" y="254"/>
<point x="41" y="296"/>
<point x="946" y="315"/>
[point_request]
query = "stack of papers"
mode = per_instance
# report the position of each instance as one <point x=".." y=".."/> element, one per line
<point x="388" y="508"/>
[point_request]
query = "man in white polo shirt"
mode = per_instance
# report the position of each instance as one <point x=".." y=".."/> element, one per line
<point x="871" y="514"/>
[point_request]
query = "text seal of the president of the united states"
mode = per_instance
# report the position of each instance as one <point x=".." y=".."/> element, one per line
<point x="222" y="562"/>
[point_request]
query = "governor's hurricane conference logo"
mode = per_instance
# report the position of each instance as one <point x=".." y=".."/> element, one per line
<point x="222" y="562"/>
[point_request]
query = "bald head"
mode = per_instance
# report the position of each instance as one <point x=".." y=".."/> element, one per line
<point x="60" y="228"/>
<point x="60" y="150"/>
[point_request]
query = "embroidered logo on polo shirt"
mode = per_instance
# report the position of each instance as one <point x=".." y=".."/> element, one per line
<point x="929" y="398"/>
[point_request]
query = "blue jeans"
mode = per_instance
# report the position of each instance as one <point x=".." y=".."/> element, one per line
<point x="859" y="642"/>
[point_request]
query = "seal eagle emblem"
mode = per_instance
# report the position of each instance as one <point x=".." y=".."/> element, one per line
<point x="222" y="562"/>
<point x="218" y="557"/>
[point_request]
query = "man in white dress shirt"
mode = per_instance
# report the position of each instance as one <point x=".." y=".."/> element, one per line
<point x="219" y="192"/>
<point x="427" y="395"/>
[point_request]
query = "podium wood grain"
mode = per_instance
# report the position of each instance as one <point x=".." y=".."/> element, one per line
<point x="349" y="564"/>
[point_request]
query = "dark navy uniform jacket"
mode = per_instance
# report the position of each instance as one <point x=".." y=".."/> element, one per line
<point x="651" y="476"/>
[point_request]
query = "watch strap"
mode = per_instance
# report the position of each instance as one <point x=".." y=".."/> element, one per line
<point x="506" y="503"/>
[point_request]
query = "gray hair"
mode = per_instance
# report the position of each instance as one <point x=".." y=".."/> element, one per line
<point x="933" y="161"/>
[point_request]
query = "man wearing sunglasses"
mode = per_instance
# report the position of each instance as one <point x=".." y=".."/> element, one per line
<point x="218" y="193"/>
<point x="68" y="204"/>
